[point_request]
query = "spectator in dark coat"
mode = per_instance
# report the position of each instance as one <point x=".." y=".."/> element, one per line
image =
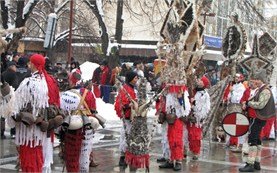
<point x="10" y="75"/>
<point x="22" y="71"/>
<point x="4" y="62"/>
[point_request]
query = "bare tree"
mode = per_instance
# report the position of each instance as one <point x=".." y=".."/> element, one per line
<point x="95" y="7"/>
<point x="11" y="20"/>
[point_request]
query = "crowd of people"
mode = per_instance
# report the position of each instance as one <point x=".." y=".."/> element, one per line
<point x="50" y="98"/>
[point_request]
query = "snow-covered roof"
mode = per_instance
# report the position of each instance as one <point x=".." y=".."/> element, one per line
<point x="138" y="46"/>
<point x="32" y="39"/>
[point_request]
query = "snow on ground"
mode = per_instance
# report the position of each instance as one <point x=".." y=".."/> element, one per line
<point x="106" y="110"/>
<point x="87" y="69"/>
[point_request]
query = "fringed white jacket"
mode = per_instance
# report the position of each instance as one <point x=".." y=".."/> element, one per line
<point x="236" y="93"/>
<point x="32" y="90"/>
<point x="180" y="109"/>
<point x="202" y="105"/>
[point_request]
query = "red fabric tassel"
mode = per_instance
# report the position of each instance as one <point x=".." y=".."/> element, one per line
<point x="73" y="144"/>
<point x="267" y="128"/>
<point x="137" y="161"/>
<point x="234" y="141"/>
<point x="194" y="132"/>
<point x="31" y="159"/>
<point x="195" y="146"/>
<point x="194" y="137"/>
<point x="175" y="139"/>
<point x="176" y="88"/>
<point x="53" y="89"/>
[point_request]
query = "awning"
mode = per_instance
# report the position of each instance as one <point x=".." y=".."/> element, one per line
<point x="138" y="50"/>
<point x="213" y="55"/>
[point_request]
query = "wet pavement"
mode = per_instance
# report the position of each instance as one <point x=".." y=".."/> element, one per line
<point x="215" y="157"/>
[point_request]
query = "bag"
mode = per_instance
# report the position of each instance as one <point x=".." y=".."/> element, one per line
<point x="52" y="111"/>
<point x="27" y="118"/>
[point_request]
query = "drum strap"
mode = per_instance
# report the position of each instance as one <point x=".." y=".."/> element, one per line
<point x="82" y="102"/>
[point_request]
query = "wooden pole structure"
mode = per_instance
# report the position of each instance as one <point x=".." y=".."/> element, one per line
<point x="70" y="34"/>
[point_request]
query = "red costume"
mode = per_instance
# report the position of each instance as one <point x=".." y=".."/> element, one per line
<point x="175" y="130"/>
<point x="122" y="101"/>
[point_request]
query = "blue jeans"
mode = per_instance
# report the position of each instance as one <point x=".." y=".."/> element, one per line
<point x="105" y="93"/>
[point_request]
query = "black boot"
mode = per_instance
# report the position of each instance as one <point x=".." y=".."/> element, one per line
<point x="247" y="168"/>
<point x="166" y="165"/>
<point x="257" y="166"/>
<point x="122" y="161"/>
<point x="162" y="159"/>
<point x="177" y="167"/>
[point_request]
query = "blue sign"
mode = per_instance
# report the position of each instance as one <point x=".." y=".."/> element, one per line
<point x="213" y="41"/>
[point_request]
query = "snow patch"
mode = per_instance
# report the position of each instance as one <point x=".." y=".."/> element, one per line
<point x="87" y="69"/>
<point x="106" y="110"/>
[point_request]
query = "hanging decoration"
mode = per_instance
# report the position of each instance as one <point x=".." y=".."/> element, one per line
<point x="234" y="42"/>
<point x="263" y="45"/>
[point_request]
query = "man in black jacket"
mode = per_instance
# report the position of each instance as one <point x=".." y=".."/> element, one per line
<point x="10" y="75"/>
<point x="22" y="71"/>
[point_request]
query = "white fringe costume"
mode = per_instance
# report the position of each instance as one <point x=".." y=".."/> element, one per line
<point x="7" y="103"/>
<point x="122" y="140"/>
<point x="33" y="91"/>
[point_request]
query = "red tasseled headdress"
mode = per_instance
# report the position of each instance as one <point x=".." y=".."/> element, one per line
<point x="205" y="81"/>
<point x="175" y="88"/>
<point x="53" y="90"/>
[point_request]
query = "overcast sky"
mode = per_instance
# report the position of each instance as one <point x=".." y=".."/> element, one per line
<point x="271" y="10"/>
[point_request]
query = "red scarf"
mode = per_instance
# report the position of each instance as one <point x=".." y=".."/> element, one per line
<point x="53" y="89"/>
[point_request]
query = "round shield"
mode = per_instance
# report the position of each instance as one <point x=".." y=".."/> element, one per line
<point x="235" y="124"/>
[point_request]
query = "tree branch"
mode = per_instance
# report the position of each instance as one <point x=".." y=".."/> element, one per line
<point x="58" y="9"/>
<point x="38" y="24"/>
<point x="103" y="29"/>
<point x="4" y="14"/>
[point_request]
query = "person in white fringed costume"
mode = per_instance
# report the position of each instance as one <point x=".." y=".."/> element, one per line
<point x="201" y="106"/>
<point x="35" y="93"/>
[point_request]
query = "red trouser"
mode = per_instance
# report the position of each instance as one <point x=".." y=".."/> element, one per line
<point x="175" y="140"/>
<point x="194" y="137"/>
